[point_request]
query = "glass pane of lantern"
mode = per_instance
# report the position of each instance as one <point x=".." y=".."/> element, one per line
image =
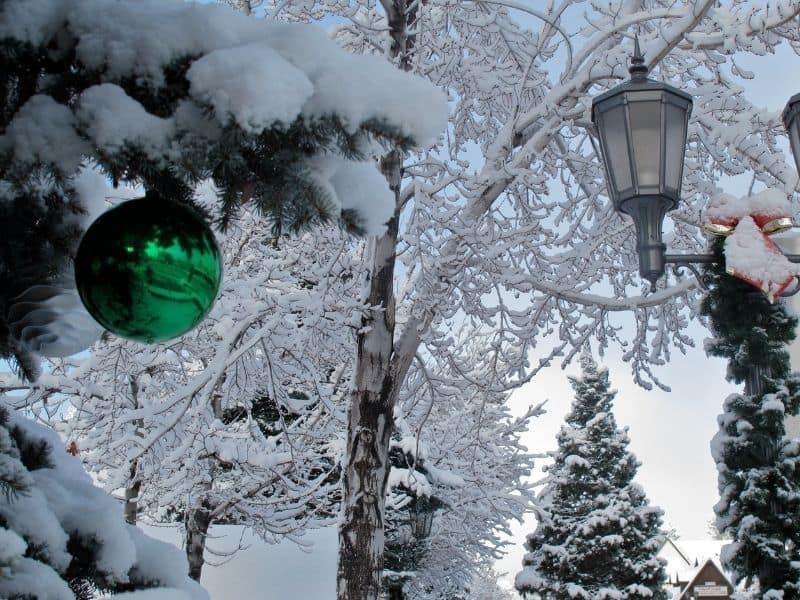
<point x="615" y="144"/>
<point x="675" y="146"/>
<point x="646" y="134"/>
<point x="794" y="140"/>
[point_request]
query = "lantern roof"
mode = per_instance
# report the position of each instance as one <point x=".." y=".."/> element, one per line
<point x="639" y="81"/>
<point x="792" y="109"/>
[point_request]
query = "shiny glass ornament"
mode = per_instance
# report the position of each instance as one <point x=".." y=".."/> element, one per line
<point x="148" y="270"/>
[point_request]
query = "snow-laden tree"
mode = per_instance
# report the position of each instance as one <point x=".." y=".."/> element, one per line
<point x="163" y="94"/>
<point x="62" y="538"/>
<point x="240" y="420"/>
<point x="460" y="445"/>
<point x="507" y="223"/>
<point x="512" y="203"/>
<point x="485" y="586"/>
<point x="455" y="452"/>
<point x="758" y="465"/>
<point x="597" y="536"/>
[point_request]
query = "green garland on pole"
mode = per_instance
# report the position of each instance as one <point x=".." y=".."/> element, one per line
<point x="749" y="331"/>
<point x="759" y="468"/>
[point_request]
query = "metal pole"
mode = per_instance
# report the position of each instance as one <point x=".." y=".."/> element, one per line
<point x="753" y="384"/>
<point x="708" y="259"/>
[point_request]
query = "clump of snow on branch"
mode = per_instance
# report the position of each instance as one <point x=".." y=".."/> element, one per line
<point x="294" y="74"/>
<point x="139" y="38"/>
<point x="219" y="80"/>
<point x="755" y="258"/>
<point x="765" y="206"/>
<point x="355" y="186"/>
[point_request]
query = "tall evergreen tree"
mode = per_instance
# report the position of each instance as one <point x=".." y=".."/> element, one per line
<point x="597" y="535"/>
<point x="759" y="468"/>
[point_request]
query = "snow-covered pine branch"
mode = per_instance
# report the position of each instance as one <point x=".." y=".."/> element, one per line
<point x="61" y="536"/>
<point x="165" y="94"/>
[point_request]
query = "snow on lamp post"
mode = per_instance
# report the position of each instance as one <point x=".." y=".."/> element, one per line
<point x="791" y="120"/>
<point x="642" y="125"/>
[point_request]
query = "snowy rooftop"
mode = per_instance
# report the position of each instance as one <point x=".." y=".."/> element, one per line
<point x="684" y="557"/>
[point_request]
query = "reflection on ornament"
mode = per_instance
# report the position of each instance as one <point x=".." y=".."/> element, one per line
<point x="50" y="320"/>
<point x="148" y="270"/>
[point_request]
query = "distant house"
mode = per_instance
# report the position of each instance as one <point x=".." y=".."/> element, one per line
<point x="694" y="570"/>
<point x="709" y="583"/>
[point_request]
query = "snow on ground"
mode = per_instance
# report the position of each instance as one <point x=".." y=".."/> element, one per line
<point x="264" y="571"/>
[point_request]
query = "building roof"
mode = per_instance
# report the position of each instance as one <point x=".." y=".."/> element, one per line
<point x="694" y="581"/>
<point x="686" y="558"/>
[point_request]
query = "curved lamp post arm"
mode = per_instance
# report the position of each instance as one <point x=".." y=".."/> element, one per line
<point x="688" y="261"/>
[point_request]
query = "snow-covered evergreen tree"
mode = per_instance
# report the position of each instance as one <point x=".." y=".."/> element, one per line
<point x="597" y="536"/>
<point x="62" y="538"/>
<point x="758" y="466"/>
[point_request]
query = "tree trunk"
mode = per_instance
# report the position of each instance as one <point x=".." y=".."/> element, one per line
<point x="370" y="423"/>
<point x="375" y="388"/>
<point x="132" y="496"/>
<point x="134" y="487"/>
<point x="198" y="518"/>
<point x="197" y="521"/>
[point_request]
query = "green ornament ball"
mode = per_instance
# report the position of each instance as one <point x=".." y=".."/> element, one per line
<point x="148" y="270"/>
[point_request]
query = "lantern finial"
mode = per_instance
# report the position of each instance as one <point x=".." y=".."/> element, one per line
<point x="638" y="69"/>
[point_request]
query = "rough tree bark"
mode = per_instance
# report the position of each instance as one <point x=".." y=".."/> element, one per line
<point x="132" y="496"/>
<point x="198" y="520"/>
<point x="361" y="532"/>
<point x="134" y="487"/>
<point x="370" y="422"/>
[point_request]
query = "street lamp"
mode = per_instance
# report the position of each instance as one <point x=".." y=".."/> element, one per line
<point x="406" y="554"/>
<point x="791" y="120"/>
<point x="642" y="126"/>
<point x="422" y="511"/>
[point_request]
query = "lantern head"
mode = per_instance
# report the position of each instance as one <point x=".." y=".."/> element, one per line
<point x="642" y="126"/>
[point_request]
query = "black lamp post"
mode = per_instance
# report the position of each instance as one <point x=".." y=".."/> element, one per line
<point x="642" y="126"/>
<point x="406" y="553"/>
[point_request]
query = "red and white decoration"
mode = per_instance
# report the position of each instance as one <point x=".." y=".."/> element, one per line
<point x="750" y="254"/>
